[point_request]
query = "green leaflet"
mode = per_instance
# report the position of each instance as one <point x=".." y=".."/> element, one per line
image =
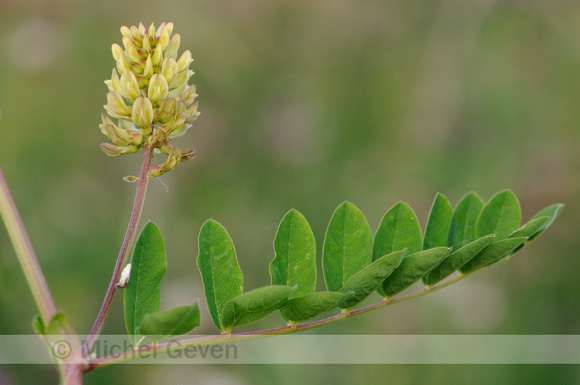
<point x="254" y="305"/>
<point x="500" y="216"/>
<point x="530" y="228"/>
<point x="347" y="246"/>
<point x="413" y="268"/>
<point x="456" y="259"/>
<point x="462" y="227"/>
<point x="220" y="272"/>
<point x="492" y="254"/>
<point x="295" y="261"/>
<point x="399" y="229"/>
<point x="173" y="322"/>
<point x="310" y="305"/>
<point x="142" y="294"/>
<point x="363" y="283"/>
<point x="552" y="212"/>
<point x="438" y="223"/>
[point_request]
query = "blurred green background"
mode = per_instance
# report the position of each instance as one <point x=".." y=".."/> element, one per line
<point x="304" y="104"/>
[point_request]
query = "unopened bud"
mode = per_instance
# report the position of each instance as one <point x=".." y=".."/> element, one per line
<point x="166" y="110"/>
<point x="163" y="39"/>
<point x="130" y="86"/>
<point x="117" y="51"/>
<point x="142" y="113"/>
<point x="169" y="68"/>
<point x="114" y="84"/>
<point x="173" y="46"/>
<point x="116" y="107"/>
<point x="158" y="88"/>
<point x="184" y="61"/>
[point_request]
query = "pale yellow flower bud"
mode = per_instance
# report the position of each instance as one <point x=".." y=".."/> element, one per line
<point x="184" y="61"/>
<point x="125" y="31"/>
<point x="169" y="68"/>
<point x="151" y="31"/>
<point x="114" y="84"/>
<point x="116" y="107"/>
<point x="169" y="27"/>
<point x="148" y="70"/>
<point x="166" y="110"/>
<point x="142" y="114"/>
<point x="131" y="50"/>
<point x="163" y="39"/>
<point x="173" y="46"/>
<point x="123" y="64"/>
<point x="129" y="86"/>
<point x="146" y="44"/>
<point x="117" y="51"/>
<point x="135" y="33"/>
<point x="158" y="88"/>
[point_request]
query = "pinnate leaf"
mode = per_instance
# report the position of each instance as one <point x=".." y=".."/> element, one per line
<point x="310" y="305"/>
<point x="438" y="223"/>
<point x="412" y="268"/>
<point x="173" y="322"/>
<point x="363" y="283"/>
<point x="347" y="246"/>
<point x="295" y="261"/>
<point x="254" y="305"/>
<point x="221" y="275"/>
<point x="142" y="294"/>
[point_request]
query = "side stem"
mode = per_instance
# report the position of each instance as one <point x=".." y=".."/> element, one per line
<point x="25" y="254"/>
<point x="238" y="337"/>
<point x="123" y="253"/>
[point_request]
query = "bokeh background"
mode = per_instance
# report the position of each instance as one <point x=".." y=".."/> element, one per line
<point x="304" y="104"/>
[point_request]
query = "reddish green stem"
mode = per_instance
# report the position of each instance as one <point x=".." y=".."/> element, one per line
<point x="123" y="253"/>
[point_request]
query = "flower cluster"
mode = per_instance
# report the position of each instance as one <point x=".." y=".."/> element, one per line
<point x="150" y="96"/>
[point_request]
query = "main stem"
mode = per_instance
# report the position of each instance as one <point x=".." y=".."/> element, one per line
<point x="25" y="254"/>
<point x="123" y="253"/>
